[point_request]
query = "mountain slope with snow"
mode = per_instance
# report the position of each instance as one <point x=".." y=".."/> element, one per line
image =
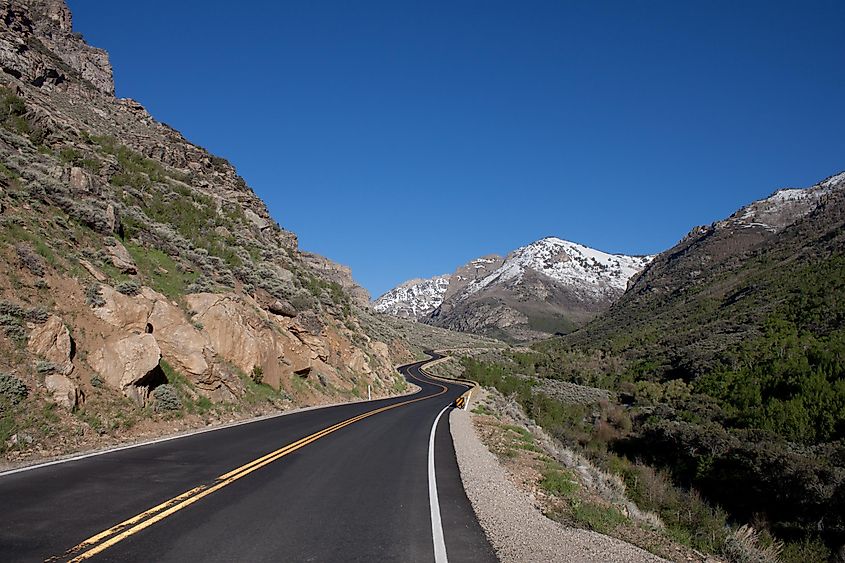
<point x="590" y="272"/>
<point x="413" y="299"/>
<point x="549" y="286"/>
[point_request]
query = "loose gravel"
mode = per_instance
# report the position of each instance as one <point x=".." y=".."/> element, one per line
<point x="516" y="529"/>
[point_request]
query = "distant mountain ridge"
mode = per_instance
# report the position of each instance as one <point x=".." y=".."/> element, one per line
<point x="551" y="285"/>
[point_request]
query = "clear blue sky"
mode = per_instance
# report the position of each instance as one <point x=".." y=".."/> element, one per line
<point x="405" y="138"/>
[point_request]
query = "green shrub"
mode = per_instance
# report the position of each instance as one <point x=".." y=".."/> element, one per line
<point x="258" y="374"/>
<point x="30" y="260"/>
<point x="94" y="295"/>
<point x="12" y="388"/>
<point x="13" y="328"/>
<point x="805" y="550"/>
<point x="129" y="287"/>
<point x="166" y="398"/>
<point x="44" y="367"/>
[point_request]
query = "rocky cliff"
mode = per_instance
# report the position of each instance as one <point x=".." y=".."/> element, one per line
<point x="141" y="272"/>
<point x="548" y="286"/>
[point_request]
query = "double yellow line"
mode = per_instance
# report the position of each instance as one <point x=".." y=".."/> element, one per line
<point x="119" y="532"/>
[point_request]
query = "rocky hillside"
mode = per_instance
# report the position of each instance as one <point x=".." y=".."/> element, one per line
<point x="548" y="286"/>
<point x="729" y="354"/>
<point x="140" y="276"/>
<point x="722" y="283"/>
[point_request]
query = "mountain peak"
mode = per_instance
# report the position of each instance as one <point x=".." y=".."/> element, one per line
<point x="553" y="283"/>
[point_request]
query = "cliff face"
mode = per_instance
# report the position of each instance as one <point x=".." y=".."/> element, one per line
<point x="43" y="30"/>
<point x="135" y="261"/>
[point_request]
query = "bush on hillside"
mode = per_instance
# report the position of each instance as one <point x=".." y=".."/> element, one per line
<point x="166" y="398"/>
<point x="12" y="388"/>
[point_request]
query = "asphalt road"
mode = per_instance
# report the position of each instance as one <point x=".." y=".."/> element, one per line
<point x="359" y="492"/>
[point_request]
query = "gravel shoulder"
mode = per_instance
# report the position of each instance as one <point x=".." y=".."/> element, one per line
<point x="515" y="528"/>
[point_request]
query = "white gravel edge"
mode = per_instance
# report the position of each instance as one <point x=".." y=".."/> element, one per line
<point x="516" y="529"/>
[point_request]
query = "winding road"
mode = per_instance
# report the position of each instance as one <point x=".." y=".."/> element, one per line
<point x="367" y="481"/>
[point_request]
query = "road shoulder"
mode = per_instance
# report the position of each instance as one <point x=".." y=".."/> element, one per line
<point x="517" y="530"/>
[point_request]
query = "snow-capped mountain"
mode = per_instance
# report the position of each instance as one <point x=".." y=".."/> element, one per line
<point x="587" y="271"/>
<point x="413" y="299"/>
<point x="549" y="286"/>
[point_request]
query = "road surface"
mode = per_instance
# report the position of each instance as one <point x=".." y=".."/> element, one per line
<point x="344" y="483"/>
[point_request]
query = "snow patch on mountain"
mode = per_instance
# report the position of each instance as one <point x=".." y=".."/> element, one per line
<point x="413" y="299"/>
<point x="783" y="207"/>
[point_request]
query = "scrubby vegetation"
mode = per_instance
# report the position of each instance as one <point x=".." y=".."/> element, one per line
<point x="685" y="455"/>
<point x="12" y="389"/>
<point x="166" y="398"/>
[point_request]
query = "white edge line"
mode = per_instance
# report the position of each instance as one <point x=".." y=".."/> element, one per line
<point x="434" y="502"/>
<point x="193" y="433"/>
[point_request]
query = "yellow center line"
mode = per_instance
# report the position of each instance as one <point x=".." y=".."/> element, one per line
<point x="161" y="511"/>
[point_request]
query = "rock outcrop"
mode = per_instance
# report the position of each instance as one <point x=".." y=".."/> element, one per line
<point x="52" y="342"/>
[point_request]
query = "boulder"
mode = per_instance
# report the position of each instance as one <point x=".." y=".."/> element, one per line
<point x="130" y="364"/>
<point x="79" y="179"/>
<point x="123" y="311"/>
<point x="182" y="345"/>
<point x="52" y="342"/>
<point x="120" y="257"/>
<point x="63" y="391"/>
<point x="260" y="222"/>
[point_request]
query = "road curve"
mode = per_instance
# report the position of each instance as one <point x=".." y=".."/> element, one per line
<point x="342" y="483"/>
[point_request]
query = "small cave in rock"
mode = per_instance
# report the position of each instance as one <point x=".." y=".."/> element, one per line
<point x="72" y="353"/>
<point x="141" y="390"/>
<point x="303" y="372"/>
<point x="149" y="328"/>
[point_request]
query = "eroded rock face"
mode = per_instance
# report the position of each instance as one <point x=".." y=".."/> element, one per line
<point x="79" y="179"/>
<point x="128" y="364"/>
<point x="221" y="384"/>
<point x="244" y="335"/>
<point x="339" y="274"/>
<point x="52" y="342"/>
<point x="50" y="22"/>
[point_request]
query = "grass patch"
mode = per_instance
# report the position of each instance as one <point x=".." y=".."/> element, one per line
<point x="482" y="409"/>
<point x="559" y="483"/>
<point x="33" y="417"/>
<point x="160" y="271"/>
<point x="597" y="517"/>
